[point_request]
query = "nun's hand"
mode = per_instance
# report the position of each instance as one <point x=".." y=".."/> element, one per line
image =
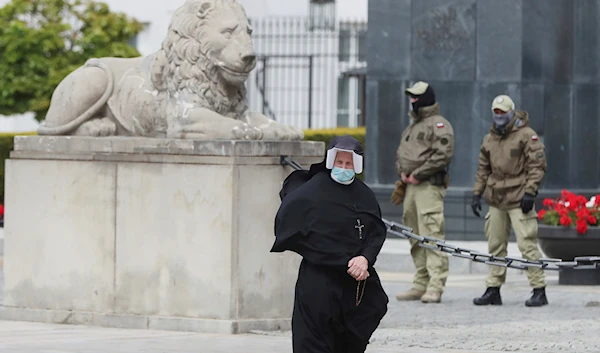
<point x="357" y="267"/>
<point x="363" y="276"/>
<point x="358" y="275"/>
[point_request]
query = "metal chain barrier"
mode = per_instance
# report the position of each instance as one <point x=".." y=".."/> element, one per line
<point x="402" y="231"/>
<point x="579" y="263"/>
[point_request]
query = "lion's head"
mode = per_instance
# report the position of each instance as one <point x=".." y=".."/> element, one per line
<point x="209" y="53"/>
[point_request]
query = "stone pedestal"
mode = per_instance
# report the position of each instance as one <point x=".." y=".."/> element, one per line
<point x="148" y="233"/>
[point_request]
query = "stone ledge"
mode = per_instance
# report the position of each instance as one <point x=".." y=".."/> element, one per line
<point x="142" y="145"/>
<point x="142" y="322"/>
<point x="156" y="158"/>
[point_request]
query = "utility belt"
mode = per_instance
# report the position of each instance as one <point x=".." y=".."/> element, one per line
<point x="441" y="178"/>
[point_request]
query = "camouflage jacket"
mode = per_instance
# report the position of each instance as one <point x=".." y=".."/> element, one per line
<point x="511" y="164"/>
<point x="427" y="145"/>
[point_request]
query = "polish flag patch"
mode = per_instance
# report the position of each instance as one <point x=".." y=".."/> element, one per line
<point x="534" y="137"/>
<point x="440" y="125"/>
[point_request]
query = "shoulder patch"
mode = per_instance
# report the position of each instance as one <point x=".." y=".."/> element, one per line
<point x="440" y="125"/>
<point x="534" y="137"/>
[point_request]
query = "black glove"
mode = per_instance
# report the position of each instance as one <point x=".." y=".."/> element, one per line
<point x="527" y="203"/>
<point x="476" y="205"/>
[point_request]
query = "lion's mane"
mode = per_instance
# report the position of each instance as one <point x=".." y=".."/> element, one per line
<point x="184" y="64"/>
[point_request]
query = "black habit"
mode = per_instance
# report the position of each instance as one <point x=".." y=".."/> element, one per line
<point x="329" y="223"/>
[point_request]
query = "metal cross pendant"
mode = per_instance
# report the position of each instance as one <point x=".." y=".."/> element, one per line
<point x="359" y="227"/>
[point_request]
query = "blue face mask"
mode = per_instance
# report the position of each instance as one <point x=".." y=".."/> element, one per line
<point x="343" y="175"/>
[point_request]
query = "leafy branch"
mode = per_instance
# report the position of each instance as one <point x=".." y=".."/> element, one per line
<point x="42" y="41"/>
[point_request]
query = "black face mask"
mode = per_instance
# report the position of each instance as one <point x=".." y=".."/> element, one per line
<point x="425" y="100"/>
<point x="502" y="120"/>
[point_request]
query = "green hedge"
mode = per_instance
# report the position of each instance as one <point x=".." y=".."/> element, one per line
<point x="326" y="135"/>
<point x="7" y="145"/>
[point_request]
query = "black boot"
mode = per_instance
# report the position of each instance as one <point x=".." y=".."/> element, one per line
<point x="538" y="298"/>
<point x="491" y="296"/>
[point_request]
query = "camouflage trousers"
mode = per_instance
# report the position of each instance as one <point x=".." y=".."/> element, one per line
<point x="497" y="231"/>
<point x="424" y="213"/>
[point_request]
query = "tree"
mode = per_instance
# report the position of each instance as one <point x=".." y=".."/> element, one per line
<point x="42" y="41"/>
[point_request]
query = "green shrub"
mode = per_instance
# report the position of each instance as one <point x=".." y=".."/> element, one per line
<point x="326" y="135"/>
<point x="6" y="146"/>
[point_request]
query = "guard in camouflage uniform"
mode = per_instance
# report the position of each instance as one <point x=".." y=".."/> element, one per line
<point x="423" y="157"/>
<point x="512" y="164"/>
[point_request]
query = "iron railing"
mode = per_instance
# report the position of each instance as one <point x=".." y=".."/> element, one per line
<point x="308" y="77"/>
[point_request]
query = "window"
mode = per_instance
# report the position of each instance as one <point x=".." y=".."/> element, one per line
<point x="343" y="113"/>
<point x="322" y="15"/>
<point x="362" y="44"/>
<point x="344" y="45"/>
<point x="352" y="42"/>
<point x="352" y="56"/>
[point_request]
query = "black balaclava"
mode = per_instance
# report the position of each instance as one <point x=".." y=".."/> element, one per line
<point x="425" y="100"/>
<point x="501" y="121"/>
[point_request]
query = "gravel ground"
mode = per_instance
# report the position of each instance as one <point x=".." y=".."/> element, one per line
<point x="565" y="325"/>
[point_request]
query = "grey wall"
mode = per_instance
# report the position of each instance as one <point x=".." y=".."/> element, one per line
<point x="544" y="53"/>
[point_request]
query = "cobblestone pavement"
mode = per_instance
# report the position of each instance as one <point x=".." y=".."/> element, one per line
<point x="455" y="325"/>
<point x="565" y="325"/>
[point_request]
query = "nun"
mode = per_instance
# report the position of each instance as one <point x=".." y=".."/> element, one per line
<point x="333" y="220"/>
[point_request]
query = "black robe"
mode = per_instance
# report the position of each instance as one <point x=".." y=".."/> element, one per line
<point x="319" y="219"/>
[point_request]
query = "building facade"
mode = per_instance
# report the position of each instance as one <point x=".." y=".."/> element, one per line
<point x="544" y="54"/>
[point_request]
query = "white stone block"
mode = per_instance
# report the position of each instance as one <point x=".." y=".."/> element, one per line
<point x="59" y="235"/>
<point x="257" y="204"/>
<point x="174" y="226"/>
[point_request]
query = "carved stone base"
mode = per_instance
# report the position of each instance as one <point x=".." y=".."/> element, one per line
<point x="143" y="322"/>
<point x="145" y="233"/>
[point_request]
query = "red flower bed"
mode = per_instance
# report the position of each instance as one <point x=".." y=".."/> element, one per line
<point x="571" y="210"/>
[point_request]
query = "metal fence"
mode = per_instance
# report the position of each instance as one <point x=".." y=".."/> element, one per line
<point x="309" y="77"/>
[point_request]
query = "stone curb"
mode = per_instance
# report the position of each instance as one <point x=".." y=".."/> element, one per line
<point x="142" y="322"/>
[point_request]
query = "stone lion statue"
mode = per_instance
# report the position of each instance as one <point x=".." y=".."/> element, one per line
<point x="193" y="87"/>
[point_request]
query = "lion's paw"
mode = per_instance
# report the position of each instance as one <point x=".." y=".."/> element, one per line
<point x="97" y="128"/>
<point x="245" y="131"/>
<point x="296" y="134"/>
<point x="280" y="132"/>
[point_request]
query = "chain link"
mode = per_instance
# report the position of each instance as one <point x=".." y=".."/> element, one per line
<point x="579" y="263"/>
<point x="402" y="231"/>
